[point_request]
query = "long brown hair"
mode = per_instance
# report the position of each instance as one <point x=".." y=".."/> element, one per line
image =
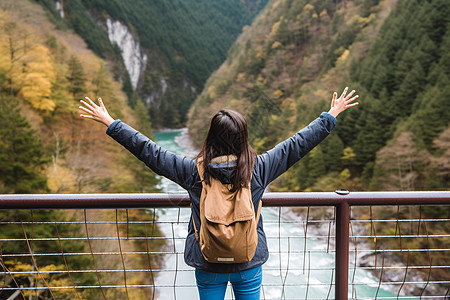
<point x="228" y="135"/>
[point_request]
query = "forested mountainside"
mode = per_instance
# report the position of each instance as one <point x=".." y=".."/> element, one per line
<point x="282" y="71"/>
<point x="181" y="41"/>
<point x="45" y="147"/>
<point x="44" y="73"/>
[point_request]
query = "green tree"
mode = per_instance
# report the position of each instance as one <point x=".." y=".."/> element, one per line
<point x="332" y="152"/>
<point x="433" y="117"/>
<point x="101" y="84"/>
<point x="76" y="77"/>
<point x="403" y="99"/>
<point x="22" y="158"/>
<point x="316" y="165"/>
<point x="371" y="133"/>
<point x="60" y="93"/>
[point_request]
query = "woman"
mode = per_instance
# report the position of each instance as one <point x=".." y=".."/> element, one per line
<point x="227" y="136"/>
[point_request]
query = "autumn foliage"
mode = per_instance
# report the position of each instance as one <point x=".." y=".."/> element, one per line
<point x="282" y="70"/>
<point x="46" y="147"/>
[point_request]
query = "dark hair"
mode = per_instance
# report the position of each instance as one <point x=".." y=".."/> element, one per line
<point x="228" y="135"/>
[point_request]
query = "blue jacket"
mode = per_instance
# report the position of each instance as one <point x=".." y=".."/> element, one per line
<point x="183" y="171"/>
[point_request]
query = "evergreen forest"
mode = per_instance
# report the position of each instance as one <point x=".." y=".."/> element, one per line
<point x="281" y="73"/>
<point x="185" y="40"/>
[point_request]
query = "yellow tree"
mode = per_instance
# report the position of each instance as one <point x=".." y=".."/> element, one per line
<point x="26" y="66"/>
<point x="3" y="66"/>
<point x="33" y="76"/>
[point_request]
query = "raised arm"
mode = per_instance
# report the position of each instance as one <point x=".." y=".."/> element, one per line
<point x="179" y="169"/>
<point x="278" y="160"/>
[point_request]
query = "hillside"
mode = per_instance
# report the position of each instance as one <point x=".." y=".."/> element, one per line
<point x="45" y="147"/>
<point x="181" y="41"/>
<point x="282" y="71"/>
<point x="45" y="72"/>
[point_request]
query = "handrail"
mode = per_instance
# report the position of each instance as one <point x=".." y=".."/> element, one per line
<point x="341" y="199"/>
<point x="123" y="200"/>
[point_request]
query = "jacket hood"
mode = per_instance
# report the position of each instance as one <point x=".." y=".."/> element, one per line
<point x="224" y="168"/>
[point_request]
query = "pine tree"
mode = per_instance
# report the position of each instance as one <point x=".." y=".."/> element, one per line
<point x="76" y="77"/>
<point x="60" y="93"/>
<point x="316" y="165"/>
<point x="371" y="133"/>
<point x="332" y="152"/>
<point x="22" y="157"/>
<point x="432" y="118"/>
<point x="101" y="85"/>
<point x="403" y="99"/>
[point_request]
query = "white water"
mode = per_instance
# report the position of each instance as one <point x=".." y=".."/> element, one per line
<point x="275" y="269"/>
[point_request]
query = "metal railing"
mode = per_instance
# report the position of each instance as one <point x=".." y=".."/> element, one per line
<point x="356" y="244"/>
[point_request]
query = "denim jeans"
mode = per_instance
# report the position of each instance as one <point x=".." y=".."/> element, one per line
<point x="246" y="284"/>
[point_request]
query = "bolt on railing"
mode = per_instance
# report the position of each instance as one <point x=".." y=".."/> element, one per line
<point x="344" y="239"/>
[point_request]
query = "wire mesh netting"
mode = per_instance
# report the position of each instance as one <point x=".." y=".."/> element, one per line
<point x="396" y="252"/>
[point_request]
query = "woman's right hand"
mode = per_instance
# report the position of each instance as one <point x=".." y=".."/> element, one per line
<point x="95" y="112"/>
<point x="340" y="104"/>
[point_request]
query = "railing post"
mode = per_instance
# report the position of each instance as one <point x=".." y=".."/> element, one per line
<point x="342" y="250"/>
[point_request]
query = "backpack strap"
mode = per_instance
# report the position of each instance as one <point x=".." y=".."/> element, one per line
<point x="258" y="214"/>
<point x="195" y="228"/>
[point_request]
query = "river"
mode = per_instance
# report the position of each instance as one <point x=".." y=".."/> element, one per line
<point x="299" y="282"/>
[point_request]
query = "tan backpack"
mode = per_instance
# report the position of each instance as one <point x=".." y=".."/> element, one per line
<point x="228" y="223"/>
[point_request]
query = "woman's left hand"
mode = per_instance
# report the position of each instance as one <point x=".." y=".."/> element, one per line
<point x="340" y="104"/>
